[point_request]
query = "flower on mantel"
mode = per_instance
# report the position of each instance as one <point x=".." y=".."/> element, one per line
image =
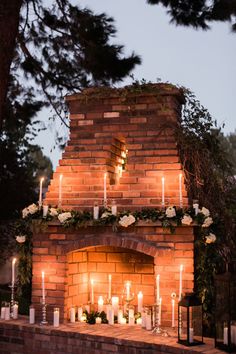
<point x="53" y="212"/>
<point x="207" y="222"/>
<point x="31" y="209"/>
<point x="186" y="219"/>
<point x="170" y="212"/>
<point x="211" y="238"/>
<point x="21" y="238"/>
<point x="204" y="211"/>
<point x="105" y="214"/>
<point x="127" y="220"/>
<point x="63" y="217"/>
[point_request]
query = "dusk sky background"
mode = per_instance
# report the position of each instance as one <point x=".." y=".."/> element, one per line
<point x="203" y="61"/>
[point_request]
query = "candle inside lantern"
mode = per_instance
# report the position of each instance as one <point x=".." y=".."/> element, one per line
<point x="158" y="288"/>
<point x="92" y="291"/>
<point x="109" y="286"/>
<point x="13" y="271"/>
<point x="163" y="192"/>
<point x="173" y="313"/>
<point x="180" y="280"/>
<point x="105" y="189"/>
<point x="15" y="311"/>
<point x="60" y="191"/>
<point x="43" y="289"/>
<point x="190" y="335"/>
<point x="128" y="286"/>
<point x="100" y="303"/>
<point x="56" y="315"/>
<point x="180" y="191"/>
<point x="115" y="304"/>
<point x="41" y="192"/>
<point x="140" y="301"/>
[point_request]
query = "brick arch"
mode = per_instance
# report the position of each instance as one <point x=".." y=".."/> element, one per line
<point x="145" y="247"/>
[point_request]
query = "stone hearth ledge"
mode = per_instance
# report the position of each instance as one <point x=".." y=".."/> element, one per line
<point x="17" y="336"/>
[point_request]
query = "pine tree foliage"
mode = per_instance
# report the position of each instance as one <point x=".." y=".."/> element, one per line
<point x="199" y="13"/>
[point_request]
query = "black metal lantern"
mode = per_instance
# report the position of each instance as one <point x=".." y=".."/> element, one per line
<point x="190" y="320"/>
<point x="225" y="310"/>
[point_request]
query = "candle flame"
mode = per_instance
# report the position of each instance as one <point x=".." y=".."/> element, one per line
<point x="41" y="179"/>
<point x="61" y="176"/>
<point x="181" y="267"/>
<point x="43" y="274"/>
<point x="92" y="281"/>
<point x="109" y="276"/>
<point x="14" y="260"/>
<point x="163" y="179"/>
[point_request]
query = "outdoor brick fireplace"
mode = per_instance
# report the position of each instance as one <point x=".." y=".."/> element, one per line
<point x="129" y="135"/>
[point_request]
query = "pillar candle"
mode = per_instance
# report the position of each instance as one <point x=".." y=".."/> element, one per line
<point x="180" y="191"/>
<point x="158" y="288"/>
<point x="140" y="301"/>
<point x="115" y="304"/>
<point x="109" y="286"/>
<point x="105" y="189"/>
<point x="43" y="288"/>
<point x="113" y="208"/>
<point x="172" y="312"/>
<point x="7" y="313"/>
<point x="110" y="315"/>
<point x="32" y="315"/>
<point x="45" y="210"/>
<point x="3" y="309"/>
<point x="60" y="191"/>
<point x="128" y="285"/>
<point x="41" y="192"/>
<point x="163" y="192"/>
<point x="15" y="311"/>
<point x="13" y="271"/>
<point x="180" y="280"/>
<point x="143" y="315"/>
<point x="95" y="211"/>
<point x="98" y="320"/>
<point x="100" y="303"/>
<point x="196" y="206"/>
<point x="123" y="320"/>
<point x="131" y="316"/>
<point x="80" y="313"/>
<point x="160" y="303"/>
<point x="92" y="291"/>
<point x="56" y="315"/>
<point x="148" y="322"/>
<point x="120" y="315"/>
<point x="72" y="314"/>
<point x="190" y="335"/>
<point x="139" y="321"/>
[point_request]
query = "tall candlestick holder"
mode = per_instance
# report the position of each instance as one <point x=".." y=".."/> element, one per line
<point x="44" y="314"/>
<point x="12" y="287"/>
<point x="156" y="322"/>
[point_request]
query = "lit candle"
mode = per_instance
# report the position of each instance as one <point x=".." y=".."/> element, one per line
<point x="105" y="189"/>
<point x="41" y="192"/>
<point x="123" y="320"/>
<point x="180" y="191"/>
<point x="7" y="312"/>
<point x="15" y="311"/>
<point x="3" y="309"/>
<point x="115" y="304"/>
<point x="173" y="313"/>
<point x="163" y="192"/>
<point x="80" y="313"/>
<point x="32" y="315"/>
<point x="56" y="317"/>
<point x="109" y="286"/>
<point x="13" y="271"/>
<point x="131" y="317"/>
<point x="113" y="207"/>
<point x="139" y="321"/>
<point x="92" y="292"/>
<point x="100" y="303"/>
<point x="72" y="314"/>
<point x="43" y="288"/>
<point x="110" y="314"/>
<point x="95" y="211"/>
<point x="196" y="206"/>
<point x="160" y="302"/>
<point x="148" y="321"/>
<point x="60" y="191"/>
<point x="190" y="335"/>
<point x="128" y="285"/>
<point x="98" y="320"/>
<point x="180" y="280"/>
<point x="158" y="287"/>
<point x="45" y="210"/>
<point x="120" y="316"/>
<point x="140" y="301"/>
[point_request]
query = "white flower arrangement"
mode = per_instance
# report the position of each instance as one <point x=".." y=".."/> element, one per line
<point x="105" y="214"/>
<point x="31" y="209"/>
<point x="53" y="212"/>
<point x="170" y="212"/>
<point x="207" y="222"/>
<point x="204" y="211"/>
<point x="186" y="219"/>
<point x="211" y="238"/>
<point x="63" y="217"/>
<point x="21" y="238"/>
<point x="127" y="220"/>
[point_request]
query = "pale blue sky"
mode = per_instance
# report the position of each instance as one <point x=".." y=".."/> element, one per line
<point x="202" y="61"/>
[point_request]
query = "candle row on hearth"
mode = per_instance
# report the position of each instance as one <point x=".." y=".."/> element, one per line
<point x="163" y="194"/>
<point x="9" y="310"/>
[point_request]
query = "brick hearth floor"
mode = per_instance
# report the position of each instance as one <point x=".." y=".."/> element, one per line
<point x="18" y="337"/>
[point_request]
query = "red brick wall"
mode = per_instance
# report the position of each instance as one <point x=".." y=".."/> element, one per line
<point x="64" y="255"/>
<point x="102" y="125"/>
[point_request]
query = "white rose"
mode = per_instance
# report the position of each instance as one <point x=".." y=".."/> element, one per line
<point x="20" y="239"/>
<point x="25" y="213"/>
<point x="207" y="222"/>
<point x="205" y="211"/>
<point x="105" y="214"/>
<point x="53" y="212"/>
<point x="64" y="216"/>
<point x="186" y="219"/>
<point x="32" y="208"/>
<point x="170" y="212"/>
<point x="211" y="238"/>
<point x="125" y="221"/>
